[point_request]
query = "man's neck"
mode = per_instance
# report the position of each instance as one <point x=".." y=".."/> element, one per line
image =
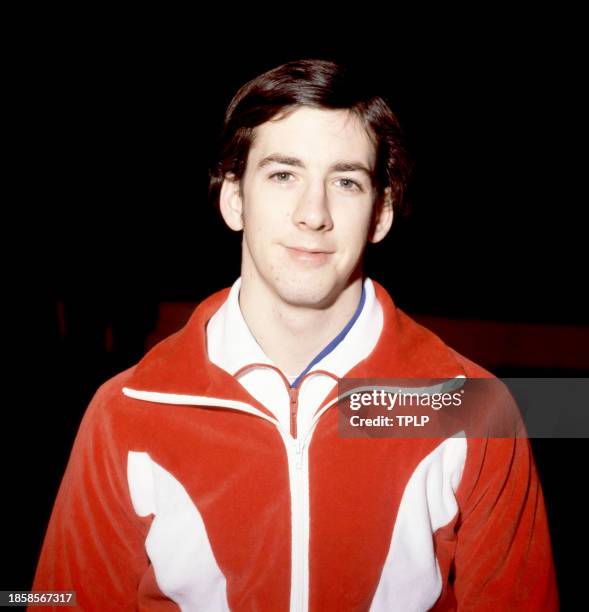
<point x="293" y="335"/>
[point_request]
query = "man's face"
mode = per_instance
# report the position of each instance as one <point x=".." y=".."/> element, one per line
<point x="306" y="205"/>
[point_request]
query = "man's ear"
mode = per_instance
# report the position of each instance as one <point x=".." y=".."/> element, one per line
<point x="383" y="217"/>
<point x="231" y="202"/>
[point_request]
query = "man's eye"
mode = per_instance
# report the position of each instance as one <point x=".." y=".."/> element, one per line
<point x="349" y="184"/>
<point x="281" y="177"/>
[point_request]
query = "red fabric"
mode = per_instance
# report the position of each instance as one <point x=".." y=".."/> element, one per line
<point x="494" y="553"/>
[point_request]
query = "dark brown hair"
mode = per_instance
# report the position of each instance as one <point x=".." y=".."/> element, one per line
<point x="318" y="84"/>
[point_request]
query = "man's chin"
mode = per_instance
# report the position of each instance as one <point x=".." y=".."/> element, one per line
<point x="319" y="297"/>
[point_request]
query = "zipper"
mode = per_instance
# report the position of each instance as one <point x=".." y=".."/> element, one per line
<point x="299" y="475"/>
<point x="299" y="490"/>
<point x="299" y="478"/>
<point x="298" y="445"/>
<point x="293" y="393"/>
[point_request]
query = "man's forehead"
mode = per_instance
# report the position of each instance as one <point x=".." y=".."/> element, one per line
<point x="314" y="135"/>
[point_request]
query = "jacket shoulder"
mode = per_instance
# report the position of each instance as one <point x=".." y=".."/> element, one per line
<point x="113" y="387"/>
<point x="108" y="406"/>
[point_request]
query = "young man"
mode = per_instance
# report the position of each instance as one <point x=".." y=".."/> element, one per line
<point x="212" y="476"/>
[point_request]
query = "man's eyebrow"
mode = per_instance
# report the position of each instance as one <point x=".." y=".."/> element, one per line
<point x="277" y="158"/>
<point x="287" y="160"/>
<point x="350" y="166"/>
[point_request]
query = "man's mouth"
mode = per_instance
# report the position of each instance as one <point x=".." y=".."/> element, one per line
<point x="308" y="255"/>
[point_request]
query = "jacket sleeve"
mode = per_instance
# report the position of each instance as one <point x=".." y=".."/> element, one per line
<point x="503" y="558"/>
<point x="94" y="543"/>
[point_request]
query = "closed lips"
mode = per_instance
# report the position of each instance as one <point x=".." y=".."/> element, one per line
<point x="306" y="250"/>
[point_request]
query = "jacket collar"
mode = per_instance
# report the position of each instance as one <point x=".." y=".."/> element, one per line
<point x="232" y="346"/>
<point x="180" y="364"/>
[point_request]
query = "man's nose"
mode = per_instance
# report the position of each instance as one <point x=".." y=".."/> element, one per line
<point x="312" y="211"/>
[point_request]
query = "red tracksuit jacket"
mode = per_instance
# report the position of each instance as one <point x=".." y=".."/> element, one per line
<point x="182" y="491"/>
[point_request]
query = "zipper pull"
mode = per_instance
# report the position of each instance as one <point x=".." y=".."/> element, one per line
<point x="299" y="453"/>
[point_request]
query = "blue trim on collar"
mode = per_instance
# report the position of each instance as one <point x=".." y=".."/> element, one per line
<point x="331" y="346"/>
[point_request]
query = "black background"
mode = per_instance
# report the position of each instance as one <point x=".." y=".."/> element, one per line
<point x="112" y="124"/>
